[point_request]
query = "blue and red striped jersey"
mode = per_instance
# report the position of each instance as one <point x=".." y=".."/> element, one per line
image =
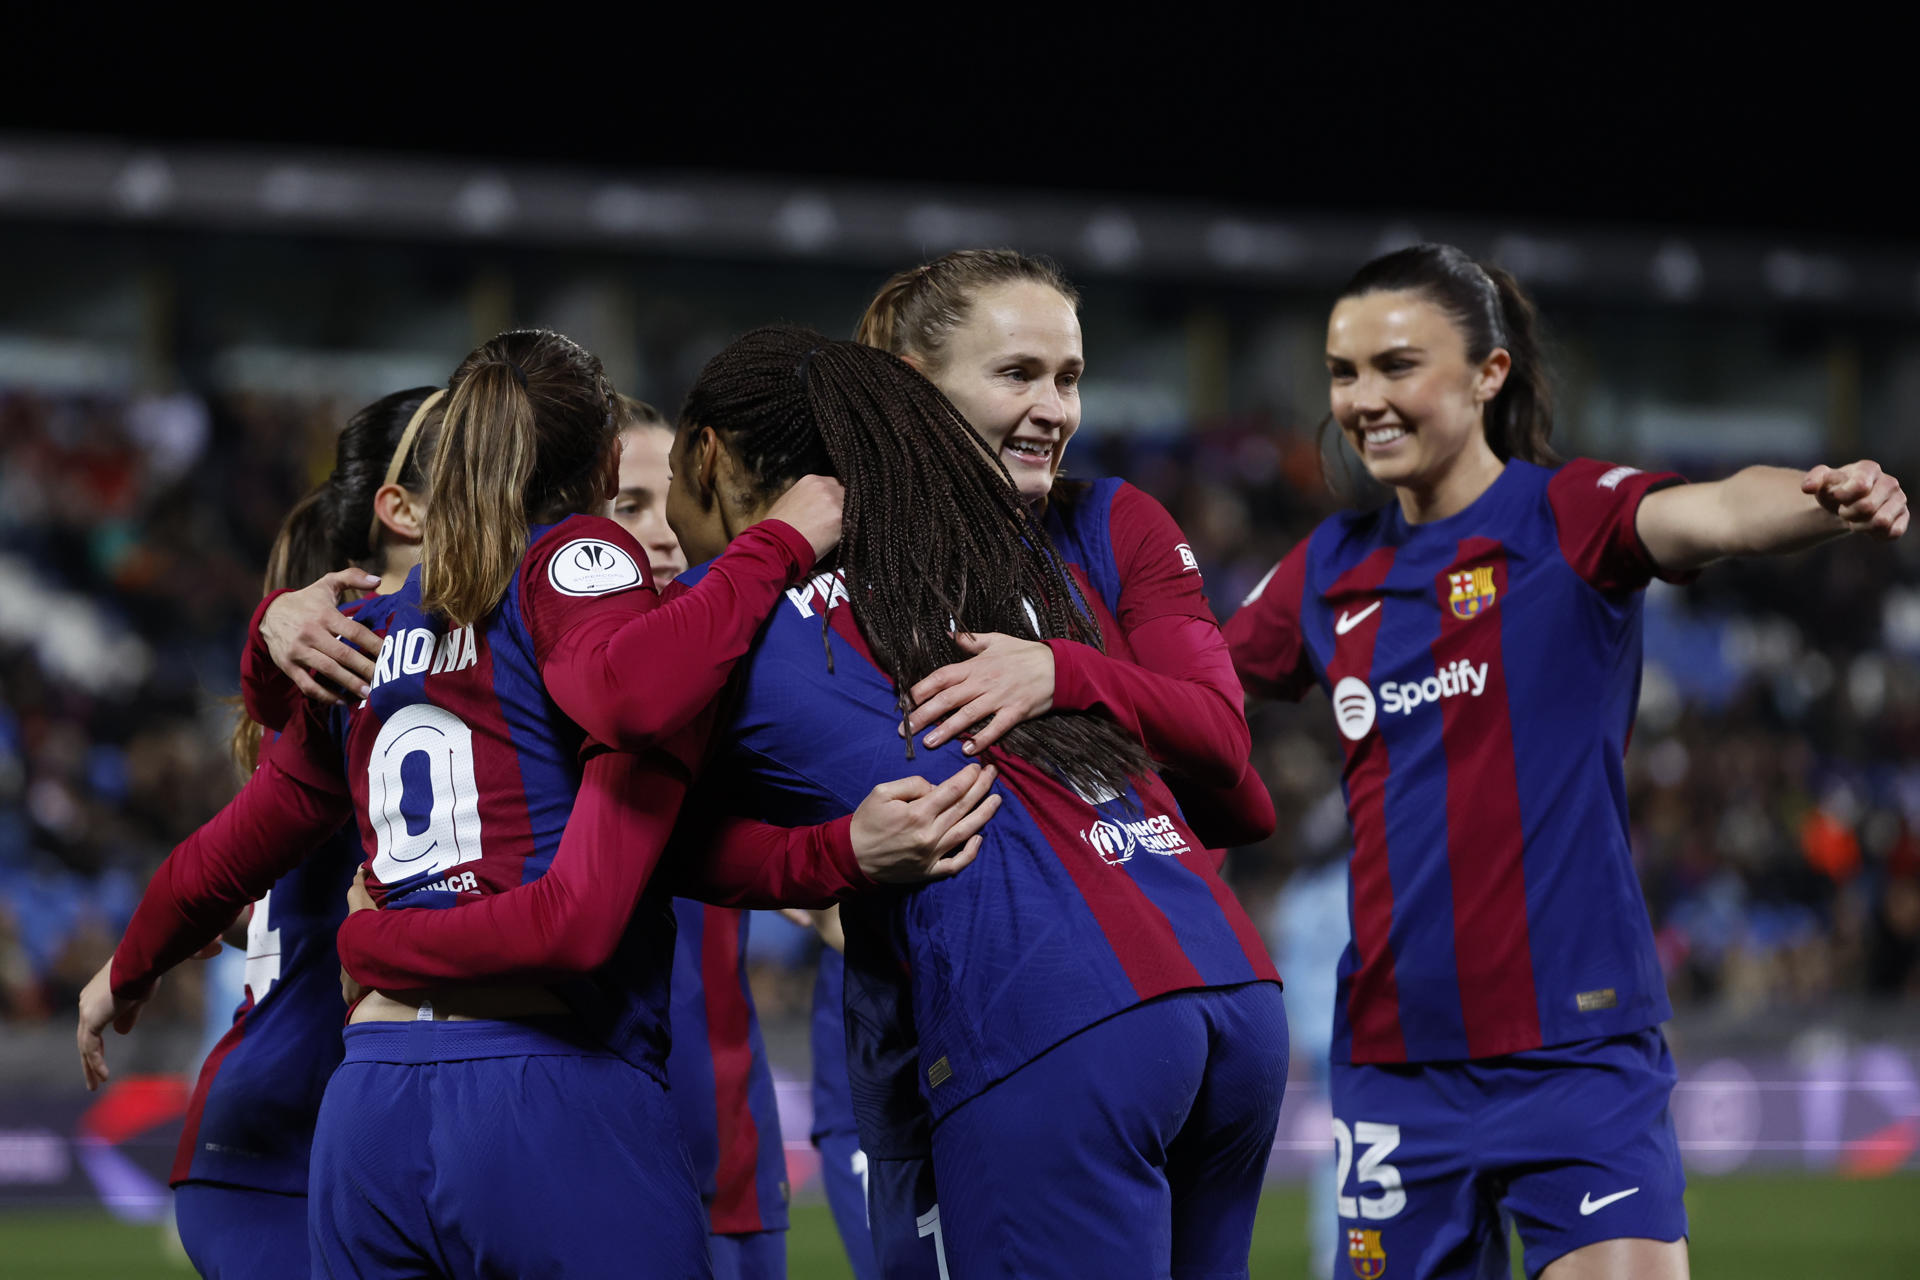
<point x="722" y="1083"/>
<point x="1073" y="911"/>
<point x="250" y="1119"/>
<point x="1484" y="670"/>
<point x="463" y="770"/>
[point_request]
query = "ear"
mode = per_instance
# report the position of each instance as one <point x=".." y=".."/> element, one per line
<point x="610" y="469"/>
<point x="402" y="514"/>
<point x="1492" y="375"/>
<point x="708" y="453"/>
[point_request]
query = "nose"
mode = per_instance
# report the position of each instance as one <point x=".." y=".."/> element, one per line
<point x="1049" y="406"/>
<point x="1367" y="397"/>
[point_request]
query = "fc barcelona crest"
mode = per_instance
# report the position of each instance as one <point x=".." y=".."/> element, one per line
<point x="1364" y="1252"/>
<point x="1472" y="591"/>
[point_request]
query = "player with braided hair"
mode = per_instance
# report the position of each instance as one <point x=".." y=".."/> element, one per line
<point x="1093" y="921"/>
<point x="998" y="332"/>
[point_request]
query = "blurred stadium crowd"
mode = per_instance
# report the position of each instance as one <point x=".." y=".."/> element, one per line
<point x="1774" y="776"/>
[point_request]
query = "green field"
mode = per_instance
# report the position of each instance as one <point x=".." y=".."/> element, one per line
<point x="1759" y="1228"/>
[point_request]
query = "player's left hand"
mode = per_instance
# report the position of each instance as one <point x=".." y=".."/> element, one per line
<point x="1008" y="681"/>
<point x="100" y="1009"/>
<point x="1866" y="499"/>
<point x="823" y="921"/>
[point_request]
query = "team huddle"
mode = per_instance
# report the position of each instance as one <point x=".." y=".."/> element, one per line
<point x="518" y="772"/>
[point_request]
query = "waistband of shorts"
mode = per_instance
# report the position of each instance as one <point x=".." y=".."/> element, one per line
<point x="412" y="1043"/>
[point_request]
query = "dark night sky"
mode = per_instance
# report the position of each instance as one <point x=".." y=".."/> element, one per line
<point x="1792" y="131"/>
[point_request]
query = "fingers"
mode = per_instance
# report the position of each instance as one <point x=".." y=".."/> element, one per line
<point x="340" y="581"/>
<point x="1003" y="719"/>
<point x="361" y="646"/>
<point x="936" y="695"/>
<point x="796" y="915"/>
<point x="948" y="793"/>
<point x="325" y="668"/>
<point x="957" y="806"/>
<point x="93" y="1058"/>
<point x="954" y="863"/>
<point x="209" y="951"/>
<point x="960" y="721"/>
<point x="905" y="790"/>
<point x="970" y="825"/>
<point x="970" y="642"/>
<point x="310" y="687"/>
<point x="1811" y="482"/>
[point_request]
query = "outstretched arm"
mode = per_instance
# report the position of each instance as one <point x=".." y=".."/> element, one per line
<point x="1768" y="510"/>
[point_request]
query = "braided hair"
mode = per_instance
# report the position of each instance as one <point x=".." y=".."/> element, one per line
<point x="935" y="535"/>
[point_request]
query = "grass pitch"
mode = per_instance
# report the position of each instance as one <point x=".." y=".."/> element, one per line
<point x="1749" y="1228"/>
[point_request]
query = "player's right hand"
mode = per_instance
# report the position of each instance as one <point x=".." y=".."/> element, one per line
<point x="813" y="506"/>
<point x="909" y="830"/>
<point x="100" y="1009"/>
<point x="308" y="636"/>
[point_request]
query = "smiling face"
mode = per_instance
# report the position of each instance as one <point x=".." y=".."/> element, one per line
<point x="1404" y="393"/>
<point x="1013" y="370"/>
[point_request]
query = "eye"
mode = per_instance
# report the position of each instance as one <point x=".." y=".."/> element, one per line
<point x="1340" y="372"/>
<point x="1069" y="379"/>
<point x="1397" y="366"/>
<point x="1017" y="375"/>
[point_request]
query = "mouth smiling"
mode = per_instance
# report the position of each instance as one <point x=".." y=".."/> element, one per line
<point x="1381" y="437"/>
<point x="1029" y="452"/>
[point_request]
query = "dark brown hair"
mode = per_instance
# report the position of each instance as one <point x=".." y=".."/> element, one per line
<point x="529" y="420"/>
<point x="360" y="462"/>
<point x="916" y="311"/>
<point x="1489" y="308"/>
<point x="935" y="536"/>
<point x="635" y="414"/>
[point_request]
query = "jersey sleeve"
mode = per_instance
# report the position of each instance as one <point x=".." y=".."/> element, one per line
<point x="264" y="832"/>
<point x="1264" y="636"/>
<point x="730" y="861"/>
<point x="1159" y="575"/>
<point x="1179" y="695"/>
<point x="569" y="921"/>
<point x="269" y="697"/>
<point x="1594" y="506"/>
<point x="1225" y="817"/>
<point x="627" y="666"/>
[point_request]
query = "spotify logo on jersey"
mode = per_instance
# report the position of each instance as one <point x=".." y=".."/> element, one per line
<point x="1353" y="707"/>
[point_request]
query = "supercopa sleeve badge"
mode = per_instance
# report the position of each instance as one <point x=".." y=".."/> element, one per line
<point x="1369" y="1259"/>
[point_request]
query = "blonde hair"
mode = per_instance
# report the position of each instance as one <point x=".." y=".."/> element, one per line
<point x="528" y="423"/>
<point x="916" y="311"/>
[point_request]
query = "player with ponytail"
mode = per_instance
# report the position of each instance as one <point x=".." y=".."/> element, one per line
<point x="461" y="762"/>
<point x="1497" y="1051"/>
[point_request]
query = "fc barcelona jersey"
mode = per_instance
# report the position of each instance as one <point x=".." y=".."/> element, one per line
<point x="1483" y="672"/>
<point x="1073" y="911"/>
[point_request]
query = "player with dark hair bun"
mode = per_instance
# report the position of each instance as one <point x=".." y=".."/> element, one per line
<point x="1497" y="1051"/>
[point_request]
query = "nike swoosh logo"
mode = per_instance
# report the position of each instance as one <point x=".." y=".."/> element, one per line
<point x="1588" y="1205"/>
<point x="1345" y="623"/>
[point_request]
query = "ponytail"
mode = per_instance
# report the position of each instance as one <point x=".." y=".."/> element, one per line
<point x="916" y="311"/>
<point x="528" y="426"/>
<point x="302" y="551"/>
<point x="1520" y="419"/>
<point x="1491" y="310"/>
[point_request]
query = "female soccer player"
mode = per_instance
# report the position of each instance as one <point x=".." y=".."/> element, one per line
<point x="240" y="1175"/>
<point x="999" y="334"/>
<point x="494" y="1129"/>
<point x="722" y="1082"/>
<point x="1496" y="1040"/>
<point x="1092" y="922"/>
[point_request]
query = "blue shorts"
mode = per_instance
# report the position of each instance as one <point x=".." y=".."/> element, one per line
<point x="903" y="1216"/>
<point x="1135" y="1148"/>
<point x="1572" y="1144"/>
<point x="498" y="1149"/>
<point x="843" y="1172"/>
<point x="757" y="1255"/>
<point x="238" y="1233"/>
